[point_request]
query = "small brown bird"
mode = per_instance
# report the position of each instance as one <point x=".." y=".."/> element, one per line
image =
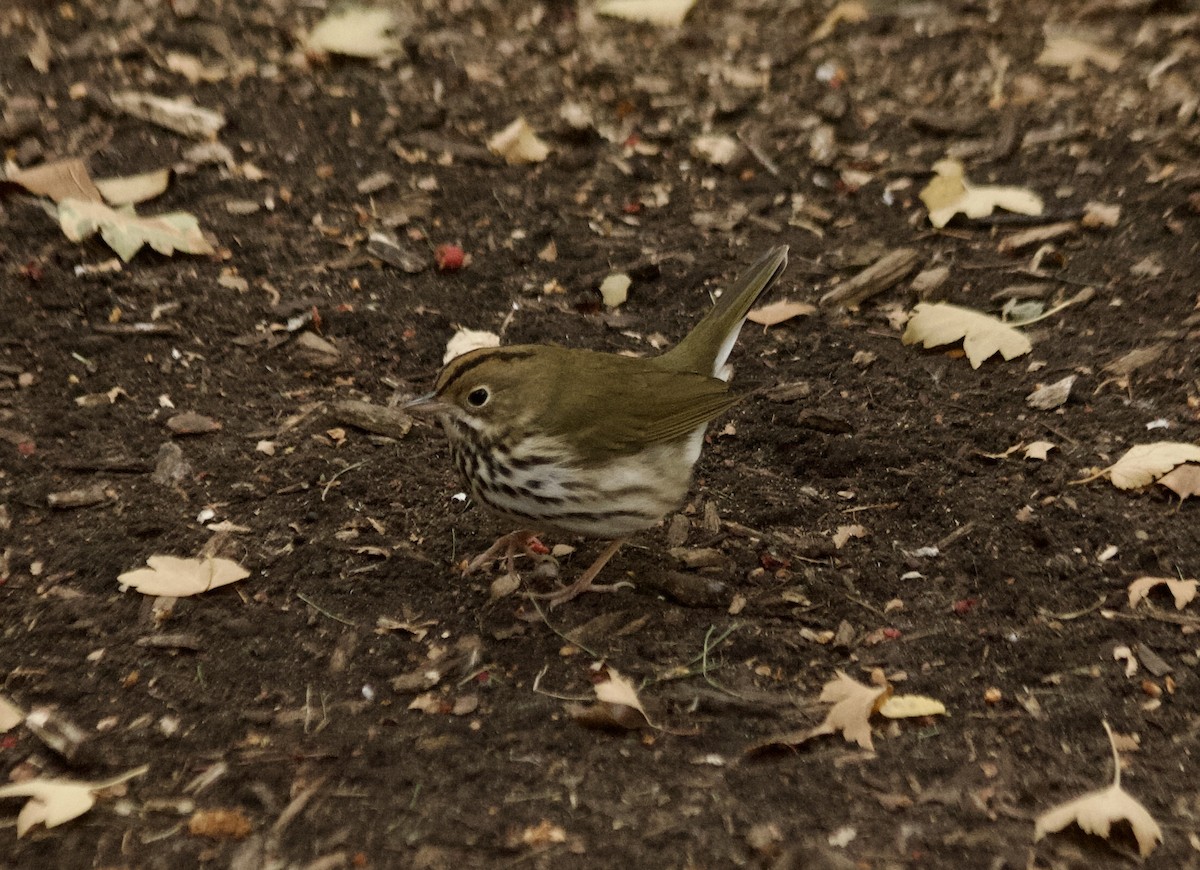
<point x="589" y="443"/>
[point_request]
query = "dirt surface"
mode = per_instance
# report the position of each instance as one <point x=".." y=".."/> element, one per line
<point x="355" y="701"/>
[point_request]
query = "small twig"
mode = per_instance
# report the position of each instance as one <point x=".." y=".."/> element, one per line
<point x="1075" y="614"/>
<point x="865" y="605"/>
<point x="537" y="687"/>
<point x="324" y="612"/>
<point x="328" y="485"/>
<point x="882" y="506"/>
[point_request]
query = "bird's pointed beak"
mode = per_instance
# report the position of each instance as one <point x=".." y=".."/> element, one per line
<point x="426" y="404"/>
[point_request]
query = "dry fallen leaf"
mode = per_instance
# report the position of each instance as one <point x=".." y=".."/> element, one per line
<point x="1145" y="463"/>
<point x="1184" y="591"/>
<point x="125" y="232"/>
<point x="935" y="324"/>
<point x="518" y="143"/>
<point x="778" y="312"/>
<point x="614" y="289"/>
<point x="132" y="189"/>
<point x="911" y="707"/>
<point x="180" y="577"/>
<point x="662" y="13"/>
<point x="617" y="706"/>
<point x="1097" y="215"/>
<point x="1125" y="654"/>
<point x="1051" y="396"/>
<point x="1039" y="449"/>
<point x="1074" y="54"/>
<point x="356" y="31"/>
<point x="719" y="149"/>
<point x="1184" y="481"/>
<point x="54" y="801"/>
<point x="179" y="115"/>
<point x="949" y="193"/>
<point x="59" y="180"/>
<point x="1095" y="812"/>
<point x="466" y="340"/>
<point x="853" y="704"/>
<point x="10" y="715"/>
<point x="220" y="824"/>
<point x="844" y="533"/>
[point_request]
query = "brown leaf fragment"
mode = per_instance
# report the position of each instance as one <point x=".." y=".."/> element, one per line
<point x="191" y="423"/>
<point x="844" y="533"/>
<point x="59" y="180"/>
<point x="88" y="496"/>
<point x="220" y="824"/>
<point x="1127" y="364"/>
<point x="179" y="115"/>
<point x="1184" y="481"/>
<point x="1099" y="215"/>
<point x="779" y="312"/>
<point x="889" y="270"/>
<point x="1051" y="396"/>
<point x="59" y="733"/>
<point x="376" y="419"/>
<point x="1036" y="235"/>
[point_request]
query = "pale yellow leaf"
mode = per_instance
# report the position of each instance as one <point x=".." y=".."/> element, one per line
<point x="614" y="289"/>
<point x="125" y="232"/>
<point x="844" y="533"/>
<point x="355" y="31"/>
<point x="1184" y="481"/>
<point x="1096" y="811"/>
<point x="180" y="577"/>
<point x="54" y="801"/>
<point x="1145" y="463"/>
<point x="518" y="143"/>
<point x="131" y="189"/>
<point x="662" y="13"/>
<point x="935" y="324"/>
<point x="778" y="312"/>
<point x="1075" y="54"/>
<point x="719" y="149"/>
<point x="1039" y="449"/>
<point x="949" y="193"/>
<point x="466" y="340"/>
<point x="1184" y="591"/>
<point x="911" y="706"/>
<point x="853" y="704"/>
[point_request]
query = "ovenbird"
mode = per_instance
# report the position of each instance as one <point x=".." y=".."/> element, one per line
<point x="584" y="442"/>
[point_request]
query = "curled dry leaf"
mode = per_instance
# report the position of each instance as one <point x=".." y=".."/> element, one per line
<point x="356" y="31"/>
<point x="844" y="533"/>
<point x="949" y="193"/>
<point x="617" y="706"/>
<point x="1096" y="811"/>
<point x="1145" y="463"/>
<point x="59" y="180"/>
<point x="935" y="324"/>
<point x="778" y="312"/>
<point x="466" y="340"/>
<point x="911" y="707"/>
<point x="54" y="801"/>
<point x="1051" y="396"/>
<point x="1184" y="481"/>
<point x="180" y="577"/>
<point x="853" y="703"/>
<point x="1125" y="654"/>
<point x="132" y="189"/>
<point x="180" y="115"/>
<point x="662" y="13"/>
<point x="518" y="143"/>
<point x="851" y="11"/>
<point x="1184" y="591"/>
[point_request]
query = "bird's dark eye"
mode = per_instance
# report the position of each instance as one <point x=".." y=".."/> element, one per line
<point x="478" y="397"/>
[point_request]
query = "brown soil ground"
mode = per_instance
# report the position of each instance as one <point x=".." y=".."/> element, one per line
<point x="284" y="700"/>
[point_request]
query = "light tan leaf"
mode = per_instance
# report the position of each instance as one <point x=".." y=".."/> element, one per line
<point x="844" y="533"/>
<point x="1074" y="54"/>
<point x="180" y="577"/>
<point x="59" y="180"/>
<point x="1145" y="463"/>
<point x="1125" y="654"/>
<point x="1184" y="591"/>
<point x="1184" y="481"/>
<point x="1051" y="396"/>
<point x="719" y="149"/>
<point x="466" y="340"/>
<point x="949" y="193"/>
<point x="1096" y="811"/>
<point x="10" y="715"/>
<point x="614" y="289"/>
<point x="179" y="115"/>
<point x="518" y="143"/>
<point x="355" y="31"/>
<point x="853" y="704"/>
<point x="617" y="706"/>
<point x="131" y="189"/>
<point x="911" y="707"/>
<point x="778" y="312"/>
<point x="125" y="232"/>
<point x="935" y="324"/>
<point x="1039" y="449"/>
<point x="1097" y="215"/>
<point x="661" y="13"/>
<point x="852" y="11"/>
<point x="54" y="801"/>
